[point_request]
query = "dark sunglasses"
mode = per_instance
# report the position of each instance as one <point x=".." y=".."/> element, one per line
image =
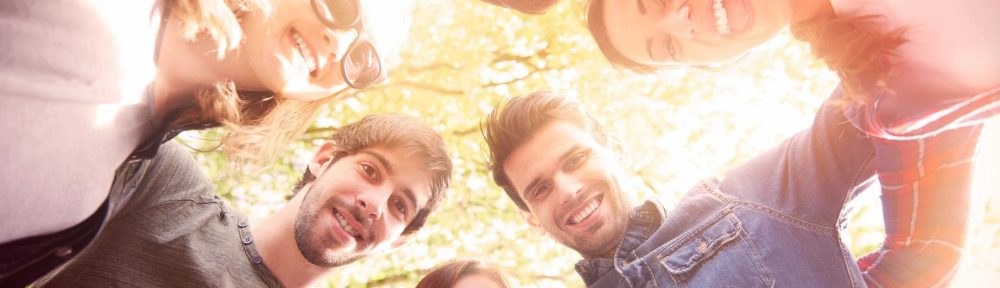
<point x="361" y="65"/>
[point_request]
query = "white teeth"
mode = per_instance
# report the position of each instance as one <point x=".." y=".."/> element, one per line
<point x="305" y="52"/>
<point x="721" y="18"/>
<point x="343" y="223"/>
<point x="586" y="212"/>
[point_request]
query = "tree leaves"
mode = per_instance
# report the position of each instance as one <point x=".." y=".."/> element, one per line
<point x="464" y="57"/>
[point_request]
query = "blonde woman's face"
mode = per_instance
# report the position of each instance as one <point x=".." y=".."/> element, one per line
<point x="293" y="53"/>
<point x="666" y="32"/>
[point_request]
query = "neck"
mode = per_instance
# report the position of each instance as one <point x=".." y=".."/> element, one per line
<point x="275" y="239"/>
<point x="809" y="9"/>
<point x="193" y="66"/>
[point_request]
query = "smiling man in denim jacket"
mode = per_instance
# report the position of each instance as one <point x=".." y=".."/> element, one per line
<point x="773" y="221"/>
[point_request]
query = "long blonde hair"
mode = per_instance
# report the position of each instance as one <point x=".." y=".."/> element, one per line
<point x="258" y="124"/>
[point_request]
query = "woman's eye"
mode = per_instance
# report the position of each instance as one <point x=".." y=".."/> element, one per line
<point x="669" y="42"/>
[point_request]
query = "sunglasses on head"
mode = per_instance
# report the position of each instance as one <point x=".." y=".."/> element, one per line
<point x="361" y="65"/>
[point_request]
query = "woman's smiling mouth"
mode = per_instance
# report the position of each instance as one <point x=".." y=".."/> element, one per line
<point x="306" y="51"/>
<point x="731" y="16"/>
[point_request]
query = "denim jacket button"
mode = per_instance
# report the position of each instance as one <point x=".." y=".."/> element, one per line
<point x="702" y="246"/>
<point x="64" y="251"/>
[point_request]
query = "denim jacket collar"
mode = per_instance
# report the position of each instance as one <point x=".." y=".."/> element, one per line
<point x="643" y="221"/>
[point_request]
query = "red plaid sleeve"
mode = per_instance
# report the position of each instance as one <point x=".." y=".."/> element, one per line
<point x="924" y="157"/>
<point x="925" y="121"/>
<point x="926" y="186"/>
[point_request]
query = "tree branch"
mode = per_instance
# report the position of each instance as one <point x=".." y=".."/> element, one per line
<point x="428" y="87"/>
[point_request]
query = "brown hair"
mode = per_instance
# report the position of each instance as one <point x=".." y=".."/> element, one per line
<point x="853" y="47"/>
<point x="447" y="275"/>
<point x="514" y="123"/>
<point x="535" y="7"/>
<point x="599" y="30"/>
<point x="396" y="131"/>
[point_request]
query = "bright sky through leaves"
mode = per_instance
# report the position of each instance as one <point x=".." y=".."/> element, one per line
<point x="678" y="127"/>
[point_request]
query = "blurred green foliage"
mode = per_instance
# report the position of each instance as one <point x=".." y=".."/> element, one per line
<point x="675" y="128"/>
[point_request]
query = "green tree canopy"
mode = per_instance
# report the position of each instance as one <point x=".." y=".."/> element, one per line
<point x="676" y="128"/>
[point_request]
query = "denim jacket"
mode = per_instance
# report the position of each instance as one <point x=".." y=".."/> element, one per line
<point x="774" y="221"/>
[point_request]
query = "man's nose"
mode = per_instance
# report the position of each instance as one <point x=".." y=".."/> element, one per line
<point x="568" y="185"/>
<point x="676" y="22"/>
<point x="372" y="203"/>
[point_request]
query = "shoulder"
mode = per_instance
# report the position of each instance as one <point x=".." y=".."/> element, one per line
<point x="172" y="174"/>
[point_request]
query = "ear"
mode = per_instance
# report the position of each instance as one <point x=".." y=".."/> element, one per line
<point x="530" y="218"/>
<point x="322" y="159"/>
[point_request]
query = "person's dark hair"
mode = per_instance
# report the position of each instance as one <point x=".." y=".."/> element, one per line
<point x="395" y="131"/>
<point x="855" y="49"/>
<point x="514" y="123"/>
<point x="449" y="274"/>
<point x="598" y="29"/>
<point x="535" y="7"/>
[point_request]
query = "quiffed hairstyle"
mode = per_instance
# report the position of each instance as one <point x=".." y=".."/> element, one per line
<point x="448" y="275"/>
<point x="398" y="131"/>
<point x="535" y="7"/>
<point x="853" y="47"/>
<point x="514" y="123"/>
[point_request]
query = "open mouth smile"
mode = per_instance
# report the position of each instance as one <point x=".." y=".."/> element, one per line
<point x="309" y="55"/>
<point x="584" y="213"/>
<point x="731" y="16"/>
<point x="349" y="226"/>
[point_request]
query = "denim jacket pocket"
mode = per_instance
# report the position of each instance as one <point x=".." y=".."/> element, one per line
<point x="715" y="254"/>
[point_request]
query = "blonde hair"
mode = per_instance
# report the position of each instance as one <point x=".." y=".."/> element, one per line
<point x="216" y="18"/>
<point x="258" y="124"/>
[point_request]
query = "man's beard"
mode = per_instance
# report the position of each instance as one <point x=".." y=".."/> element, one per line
<point x="603" y="239"/>
<point x="311" y="244"/>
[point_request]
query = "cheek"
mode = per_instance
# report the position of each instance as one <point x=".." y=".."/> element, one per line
<point x="268" y="57"/>
<point x="389" y="232"/>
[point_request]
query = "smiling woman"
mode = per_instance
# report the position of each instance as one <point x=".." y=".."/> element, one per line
<point x="912" y="77"/>
<point x="118" y="79"/>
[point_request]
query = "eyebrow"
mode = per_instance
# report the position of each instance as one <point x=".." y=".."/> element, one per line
<point x="562" y="158"/>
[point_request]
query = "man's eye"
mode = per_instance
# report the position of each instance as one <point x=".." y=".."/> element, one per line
<point x="400" y="206"/>
<point x="541" y="190"/>
<point x="370" y="170"/>
<point x="576" y="161"/>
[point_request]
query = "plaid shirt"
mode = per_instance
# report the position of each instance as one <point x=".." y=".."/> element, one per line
<point x="925" y="168"/>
